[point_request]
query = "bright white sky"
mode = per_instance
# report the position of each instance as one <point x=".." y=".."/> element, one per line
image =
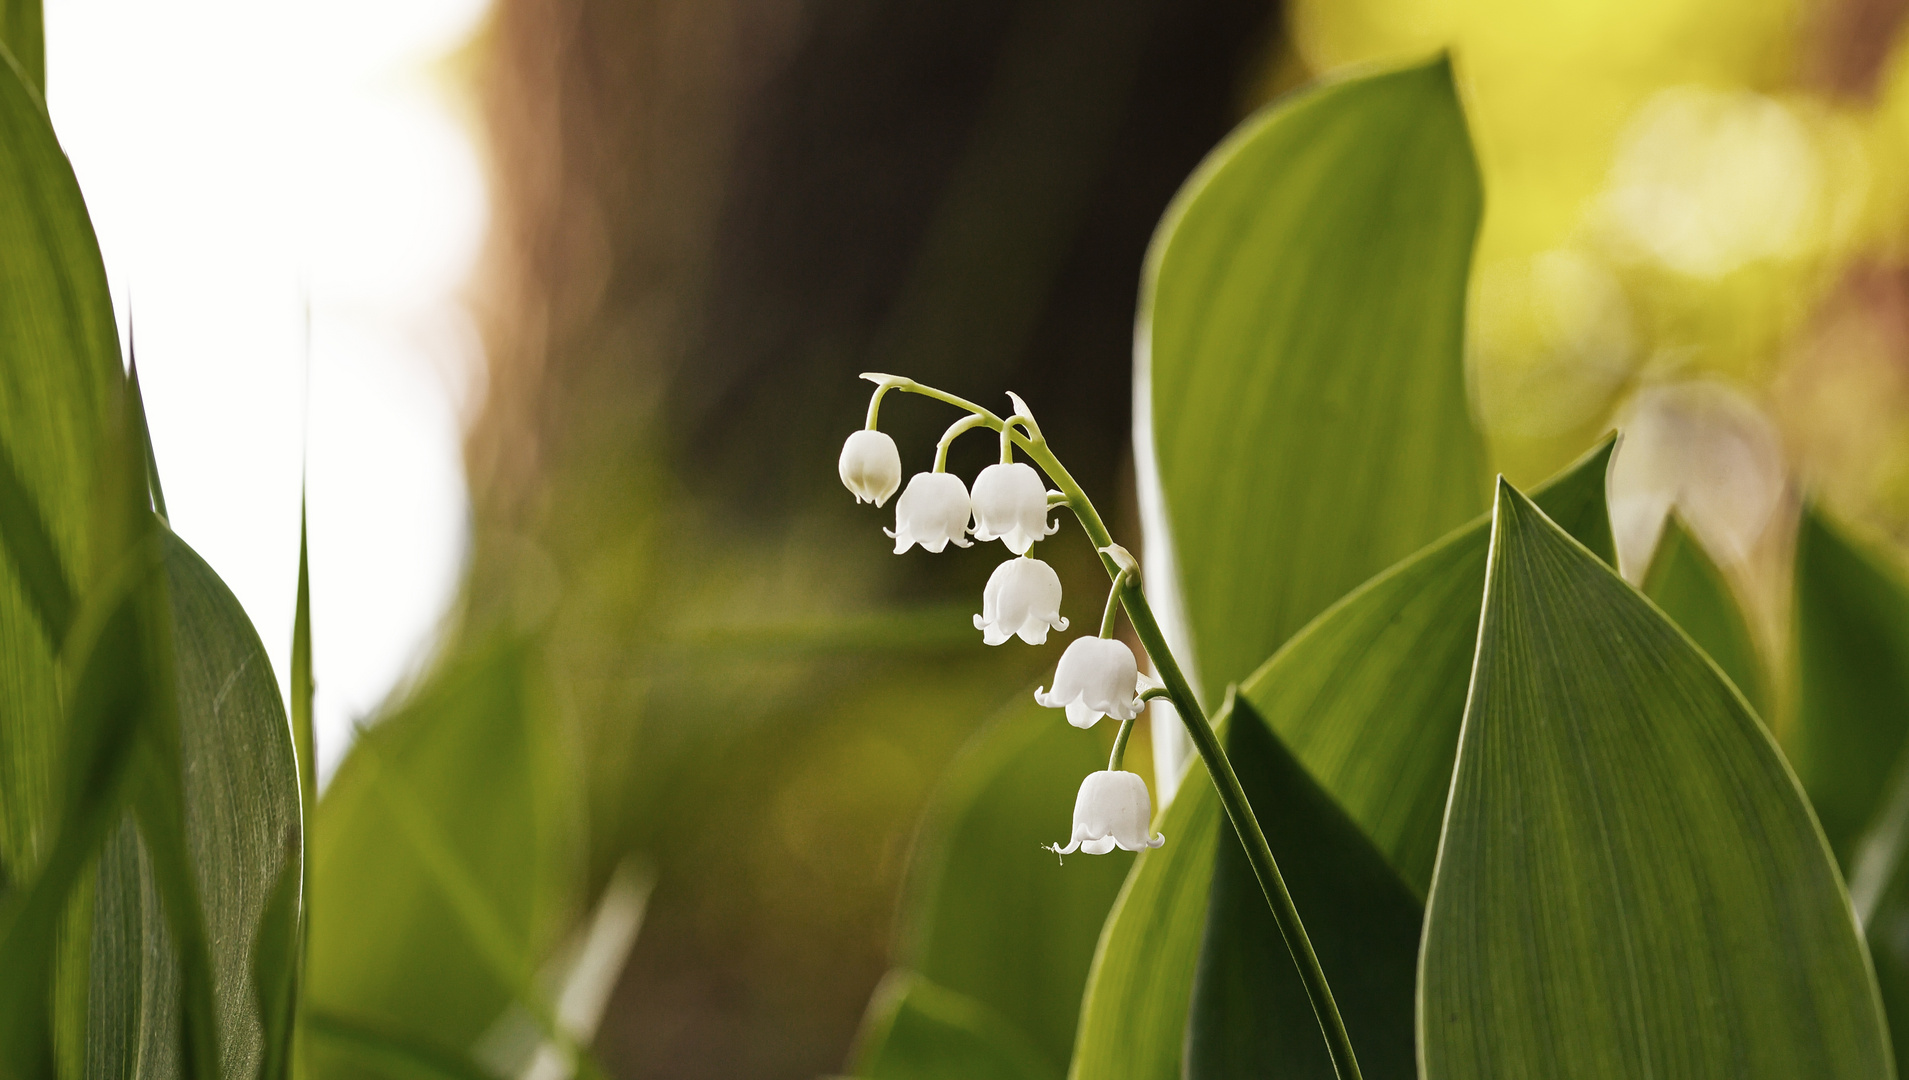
<point x="241" y="159"/>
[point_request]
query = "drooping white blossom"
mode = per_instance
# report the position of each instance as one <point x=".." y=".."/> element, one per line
<point x="1096" y="677"/>
<point x="1010" y="505"/>
<point x="870" y="466"/>
<point x="933" y="512"/>
<point x="1113" y="809"/>
<point x="1023" y="597"/>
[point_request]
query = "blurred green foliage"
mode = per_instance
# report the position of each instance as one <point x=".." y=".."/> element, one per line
<point x="677" y="651"/>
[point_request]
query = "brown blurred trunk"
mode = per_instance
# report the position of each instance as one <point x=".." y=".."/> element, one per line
<point x="709" y="216"/>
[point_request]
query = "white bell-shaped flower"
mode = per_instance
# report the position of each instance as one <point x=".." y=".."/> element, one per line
<point x="870" y="466"/>
<point x="1113" y="809"/>
<point x="933" y="512"/>
<point x="1010" y="504"/>
<point x="1096" y="677"/>
<point x="1023" y="597"/>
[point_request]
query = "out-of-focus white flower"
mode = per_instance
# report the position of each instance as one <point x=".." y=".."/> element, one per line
<point x="933" y="512"/>
<point x="1023" y="597"/>
<point x="870" y="466"/>
<point x="1096" y="677"/>
<point x="1703" y="449"/>
<point x="1010" y="504"/>
<point x="1113" y="808"/>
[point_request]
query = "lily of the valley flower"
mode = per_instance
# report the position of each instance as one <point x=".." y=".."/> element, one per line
<point x="1023" y="597"/>
<point x="870" y="466"/>
<point x="1112" y="809"/>
<point x="1096" y="677"/>
<point x="933" y="512"/>
<point x="1010" y="504"/>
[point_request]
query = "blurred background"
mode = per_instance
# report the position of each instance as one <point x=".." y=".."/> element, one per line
<point x="556" y="305"/>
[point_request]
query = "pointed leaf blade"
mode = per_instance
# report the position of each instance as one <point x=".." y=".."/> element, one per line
<point x="1370" y="695"/>
<point x="1852" y="678"/>
<point x="1690" y="588"/>
<point x="1302" y="310"/>
<point x="1250" y="1011"/>
<point x="1630" y="881"/>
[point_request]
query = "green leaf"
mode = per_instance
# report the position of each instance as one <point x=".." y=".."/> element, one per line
<point x="118" y="701"/>
<point x="1133" y="1019"/>
<point x="59" y="370"/>
<point x="302" y="688"/>
<point x="27" y="542"/>
<point x="1370" y="695"/>
<point x="217" y="839"/>
<point x="22" y="33"/>
<point x="1879" y="890"/>
<point x="304" y="746"/>
<point x="921" y="1031"/>
<point x="1694" y="593"/>
<point x="120" y="651"/>
<point x="443" y="859"/>
<point x="1300" y="366"/>
<point x="1852" y="678"/>
<point x="1630" y="882"/>
<point x="1250" y="1012"/>
<point x="1851" y="628"/>
<point x="1374" y="690"/>
<point x="158" y="492"/>
<point x="991" y="917"/>
<point x="275" y="972"/>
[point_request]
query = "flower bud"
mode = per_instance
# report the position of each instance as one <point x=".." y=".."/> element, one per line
<point x="1096" y="677"/>
<point x="1023" y="597"/>
<point x="1010" y="504"/>
<point x="933" y="512"/>
<point x="1112" y="809"/>
<point x="870" y="466"/>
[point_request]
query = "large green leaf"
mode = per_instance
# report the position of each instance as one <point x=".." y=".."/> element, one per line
<point x="22" y="33"/>
<point x="990" y="915"/>
<point x="1851" y="630"/>
<point x="120" y="654"/>
<point x="1133" y="1019"/>
<point x="1370" y="696"/>
<point x="1300" y="371"/>
<point x="442" y="862"/>
<point x="59" y="367"/>
<point x="1879" y="890"/>
<point x="238" y="838"/>
<point x="240" y="784"/>
<point x="1631" y="882"/>
<point x="1852" y="678"/>
<point x="1250" y="1014"/>
<point x="1689" y="587"/>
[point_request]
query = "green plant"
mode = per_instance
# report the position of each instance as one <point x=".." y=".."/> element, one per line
<point x="1532" y="816"/>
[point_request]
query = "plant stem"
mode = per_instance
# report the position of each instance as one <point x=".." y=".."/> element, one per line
<point x="1108" y="616"/>
<point x="1232" y="796"/>
<point x="1119" y="756"/>
<point x="947" y="439"/>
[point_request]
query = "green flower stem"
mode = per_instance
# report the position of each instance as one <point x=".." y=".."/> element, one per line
<point x="1119" y="755"/>
<point x="875" y="403"/>
<point x="1113" y="604"/>
<point x="966" y="423"/>
<point x="1232" y="796"/>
